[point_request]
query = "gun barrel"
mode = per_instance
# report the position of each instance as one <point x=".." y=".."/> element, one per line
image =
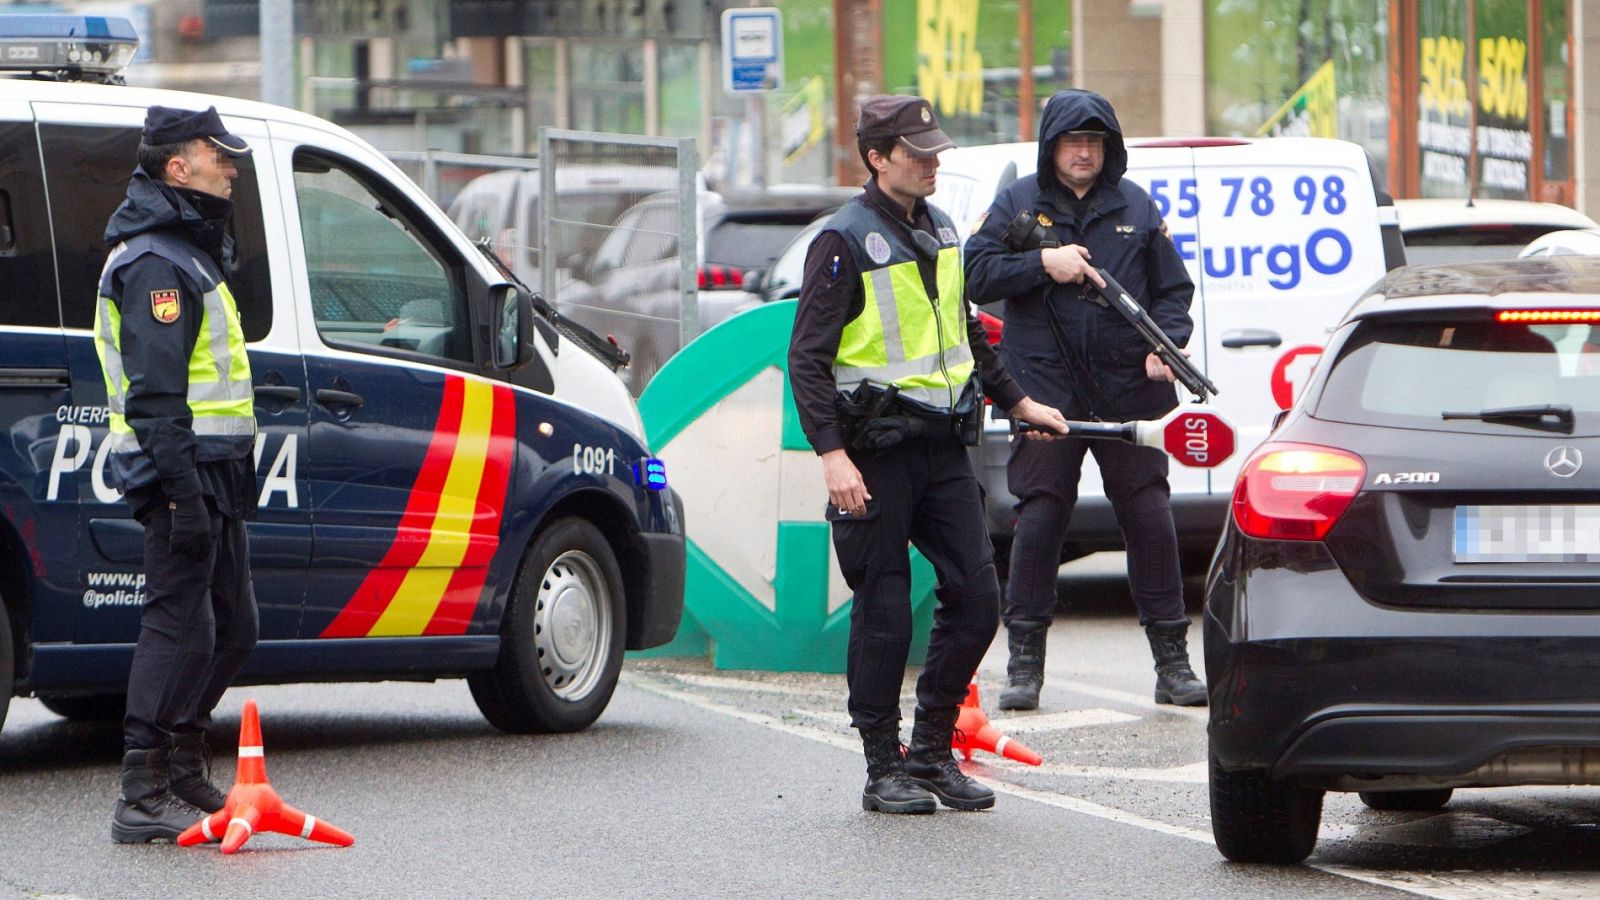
<point x="1162" y="345"/>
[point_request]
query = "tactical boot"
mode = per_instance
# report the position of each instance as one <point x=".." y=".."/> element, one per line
<point x="190" y="768"/>
<point x="888" y="789"/>
<point x="146" y="810"/>
<point x="1175" y="681"/>
<point x="1025" y="670"/>
<point x="931" y="765"/>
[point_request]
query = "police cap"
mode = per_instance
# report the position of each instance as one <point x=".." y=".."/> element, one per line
<point x="909" y="119"/>
<point x="165" y="125"/>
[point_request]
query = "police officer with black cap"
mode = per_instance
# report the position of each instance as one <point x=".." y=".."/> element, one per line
<point x="1085" y="358"/>
<point x="182" y="434"/>
<point x="886" y="362"/>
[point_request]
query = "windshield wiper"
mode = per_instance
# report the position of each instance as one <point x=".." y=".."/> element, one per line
<point x="1549" y="417"/>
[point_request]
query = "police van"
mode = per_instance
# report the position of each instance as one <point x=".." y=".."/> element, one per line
<point x="453" y="483"/>
<point x="1280" y="235"/>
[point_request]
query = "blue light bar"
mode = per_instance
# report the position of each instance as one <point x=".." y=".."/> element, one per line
<point x="652" y="473"/>
<point x="90" y="47"/>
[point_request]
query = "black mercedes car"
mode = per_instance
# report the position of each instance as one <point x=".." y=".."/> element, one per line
<point x="1406" y="599"/>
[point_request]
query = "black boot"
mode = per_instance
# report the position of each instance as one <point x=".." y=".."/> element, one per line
<point x="190" y="768"/>
<point x="1175" y="681"/>
<point x="1025" y="670"/>
<point x="146" y="809"/>
<point x="888" y="789"/>
<point x="931" y="765"/>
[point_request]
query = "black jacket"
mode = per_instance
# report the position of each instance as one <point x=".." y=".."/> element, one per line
<point x="155" y="354"/>
<point x="1123" y="233"/>
<point x="831" y="296"/>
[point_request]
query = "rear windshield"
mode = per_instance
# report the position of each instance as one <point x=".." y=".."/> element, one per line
<point x="1406" y="374"/>
<point x="751" y="244"/>
<point x="1469" y="243"/>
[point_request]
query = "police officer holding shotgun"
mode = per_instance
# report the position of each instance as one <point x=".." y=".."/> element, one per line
<point x="1066" y="347"/>
<point x="886" y="363"/>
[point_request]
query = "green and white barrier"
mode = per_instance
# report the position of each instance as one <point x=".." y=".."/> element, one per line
<point x="762" y="587"/>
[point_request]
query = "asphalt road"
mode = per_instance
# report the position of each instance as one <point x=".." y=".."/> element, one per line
<point x="700" y="782"/>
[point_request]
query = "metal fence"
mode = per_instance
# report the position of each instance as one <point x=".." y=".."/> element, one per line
<point x="622" y="228"/>
<point x="617" y="215"/>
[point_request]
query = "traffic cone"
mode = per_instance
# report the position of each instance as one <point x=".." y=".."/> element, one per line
<point x="975" y="732"/>
<point x="253" y="805"/>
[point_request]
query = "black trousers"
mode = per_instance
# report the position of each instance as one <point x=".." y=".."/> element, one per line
<point x="197" y="628"/>
<point x="923" y="492"/>
<point x="1043" y="476"/>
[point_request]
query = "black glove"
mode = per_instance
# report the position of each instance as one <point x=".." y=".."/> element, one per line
<point x="886" y="431"/>
<point x="191" y="527"/>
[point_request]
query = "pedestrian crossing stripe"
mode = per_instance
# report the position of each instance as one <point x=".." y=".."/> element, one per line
<point x="431" y="579"/>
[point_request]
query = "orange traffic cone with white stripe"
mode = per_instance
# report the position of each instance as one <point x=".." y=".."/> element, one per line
<point x="253" y="805"/>
<point x="975" y="732"/>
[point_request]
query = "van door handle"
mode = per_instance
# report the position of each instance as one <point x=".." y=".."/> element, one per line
<point x="49" y="379"/>
<point x="328" y="397"/>
<point x="285" y="392"/>
<point x="1251" y="337"/>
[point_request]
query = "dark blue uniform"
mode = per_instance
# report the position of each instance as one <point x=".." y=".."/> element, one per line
<point x="1102" y="373"/>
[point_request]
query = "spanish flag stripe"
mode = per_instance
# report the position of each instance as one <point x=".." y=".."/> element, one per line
<point x="466" y="587"/>
<point x="424" y="586"/>
<point x="380" y="585"/>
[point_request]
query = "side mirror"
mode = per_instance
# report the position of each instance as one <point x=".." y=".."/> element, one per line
<point x="753" y="279"/>
<point x="514" y="345"/>
<point x="576" y="263"/>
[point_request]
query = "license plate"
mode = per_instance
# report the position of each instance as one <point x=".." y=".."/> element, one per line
<point x="1527" y="534"/>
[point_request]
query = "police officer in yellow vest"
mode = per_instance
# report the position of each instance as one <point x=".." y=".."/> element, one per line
<point x="182" y="433"/>
<point x="886" y="362"/>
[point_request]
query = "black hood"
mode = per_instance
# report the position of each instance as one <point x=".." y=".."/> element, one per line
<point x="151" y="205"/>
<point x="1074" y="109"/>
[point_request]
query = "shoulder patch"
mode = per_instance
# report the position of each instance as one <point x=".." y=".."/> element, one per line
<point x="978" y="222"/>
<point x="164" y="305"/>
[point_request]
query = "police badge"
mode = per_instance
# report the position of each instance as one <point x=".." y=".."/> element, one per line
<point x="164" y="306"/>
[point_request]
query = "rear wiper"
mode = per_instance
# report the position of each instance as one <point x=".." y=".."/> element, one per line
<point x="1550" y="417"/>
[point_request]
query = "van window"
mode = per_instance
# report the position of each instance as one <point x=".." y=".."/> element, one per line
<point x="27" y="276"/>
<point x="88" y="169"/>
<point x="376" y="285"/>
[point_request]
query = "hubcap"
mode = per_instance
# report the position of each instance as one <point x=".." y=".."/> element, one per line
<point x="572" y="625"/>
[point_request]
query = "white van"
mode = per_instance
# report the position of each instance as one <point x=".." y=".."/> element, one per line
<point x="1280" y="235"/>
<point x="450" y="485"/>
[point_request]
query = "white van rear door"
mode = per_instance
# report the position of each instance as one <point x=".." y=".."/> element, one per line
<point x="1168" y="175"/>
<point x="1285" y="238"/>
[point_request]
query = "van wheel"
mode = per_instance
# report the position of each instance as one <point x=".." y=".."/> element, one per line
<point x="1258" y="819"/>
<point x="1408" y="801"/>
<point x="7" y="661"/>
<point x="562" y="637"/>
<point x="87" y="707"/>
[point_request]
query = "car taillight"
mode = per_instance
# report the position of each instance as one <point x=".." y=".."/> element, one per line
<point x="717" y="278"/>
<point x="991" y="327"/>
<point x="1295" y="492"/>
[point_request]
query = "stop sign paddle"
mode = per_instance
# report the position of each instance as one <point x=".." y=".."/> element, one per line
<point x="1195" y="436"/>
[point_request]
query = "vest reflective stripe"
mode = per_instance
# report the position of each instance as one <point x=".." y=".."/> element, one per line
<point x="221" y="398"/>
<point x="900" y="339"/>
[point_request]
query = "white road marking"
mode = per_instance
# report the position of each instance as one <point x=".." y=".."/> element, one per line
<point x="1444" y="886"/>
<point x="741" y="684"/>
<point x="1142" y="701"/>
<point x="1075" y="718"/>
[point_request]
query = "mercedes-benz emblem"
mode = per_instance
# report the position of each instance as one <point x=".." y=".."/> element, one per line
<point x="1564" y="461"/>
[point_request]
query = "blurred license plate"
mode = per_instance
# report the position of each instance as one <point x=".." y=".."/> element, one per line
<point x="1527" y="534"/>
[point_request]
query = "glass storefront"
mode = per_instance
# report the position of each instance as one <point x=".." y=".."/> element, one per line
<point x="1484" y="87"/>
